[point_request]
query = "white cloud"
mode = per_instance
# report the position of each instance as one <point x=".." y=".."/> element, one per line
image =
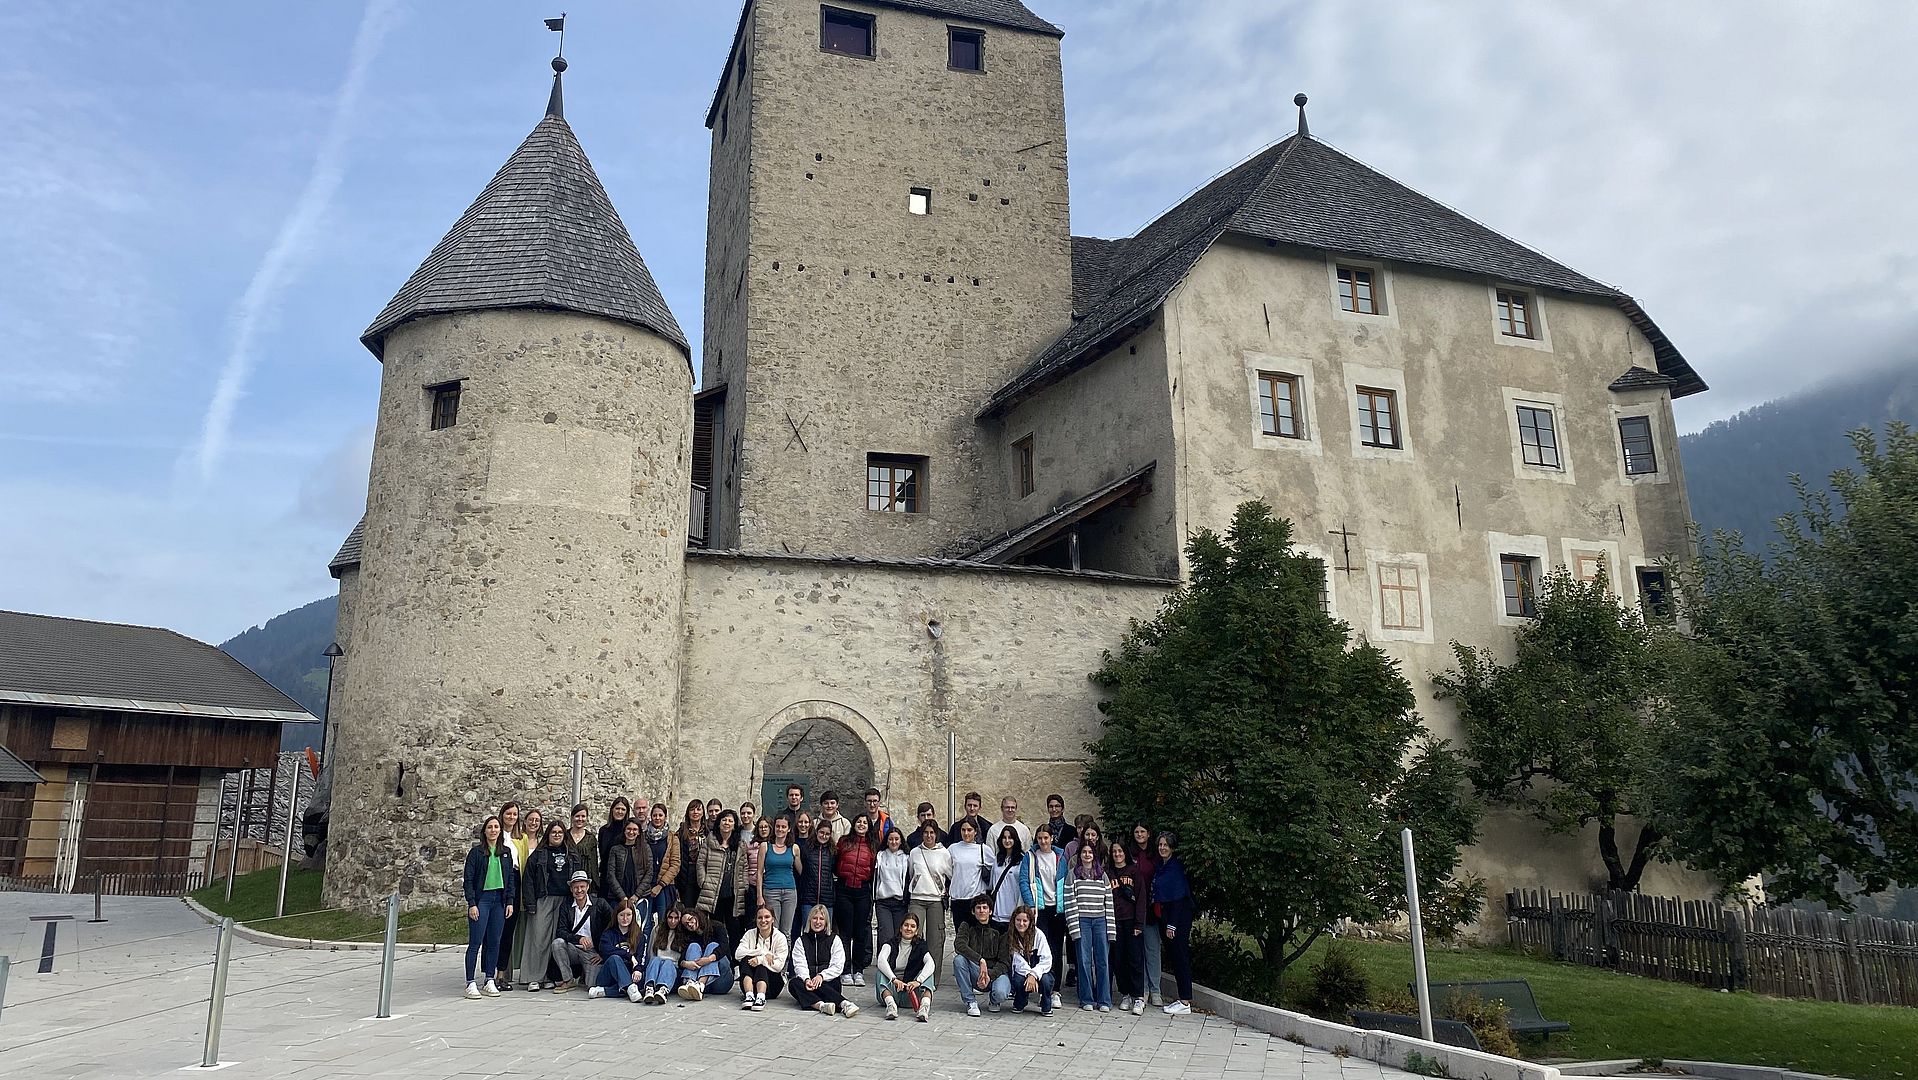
<point x="297" y="233"/>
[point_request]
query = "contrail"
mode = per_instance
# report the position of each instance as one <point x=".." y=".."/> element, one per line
<point x="276" y="270"/>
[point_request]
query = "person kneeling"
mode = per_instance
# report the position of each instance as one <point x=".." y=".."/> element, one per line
<point x="761" y="957"/>
<point x="905" y="967"/>
<point x="980" y="961"/>
<point x="818" y="959"/>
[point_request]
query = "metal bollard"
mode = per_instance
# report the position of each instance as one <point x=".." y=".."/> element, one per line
<point x="1422" y="988"/>
<point x="97" y="917"/>
<point x="386" y="956"/>
<point x="239" y="819"/>
<point x="286" y="853"/>
<point x="217" y="1006"/>
<point x="6" y="963"/>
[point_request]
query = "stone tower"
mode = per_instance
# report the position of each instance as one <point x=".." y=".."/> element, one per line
<point x="522" y="574"/>
<point x="888" y="244"/>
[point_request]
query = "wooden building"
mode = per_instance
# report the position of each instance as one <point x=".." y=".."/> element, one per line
<point x="131" y="732"/>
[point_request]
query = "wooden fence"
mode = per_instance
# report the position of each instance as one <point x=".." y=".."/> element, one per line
<point x="1780" y="951"/>
<point x="127" y="884"/>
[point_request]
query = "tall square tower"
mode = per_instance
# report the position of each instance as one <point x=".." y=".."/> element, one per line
<point x="888" y="243"/>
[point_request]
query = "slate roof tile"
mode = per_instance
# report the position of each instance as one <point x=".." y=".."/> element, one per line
<point x="1637" y="378"/>
<point x="349" y="553"/>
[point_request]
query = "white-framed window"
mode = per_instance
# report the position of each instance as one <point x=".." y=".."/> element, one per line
<point x="1401" y="584"/>
<point x="1518" y="317"/>
<point x="1535" y="423"/>
<point x="1515" y="565"/>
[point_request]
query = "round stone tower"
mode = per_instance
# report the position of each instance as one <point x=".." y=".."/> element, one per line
<point x="521" y="580"/>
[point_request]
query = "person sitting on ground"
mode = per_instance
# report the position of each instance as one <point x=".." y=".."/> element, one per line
<point x="980" y="962"/>
<point x="818" y="959"/>
<point x="669" y="948"/>
<point x="905" y="968"/>
<point x="619" y="949"/>
<point x="575" y="942"/>
<point x="703" y="967"/>
<point x="1031" y="961"/>
<point x="761" y="959"/>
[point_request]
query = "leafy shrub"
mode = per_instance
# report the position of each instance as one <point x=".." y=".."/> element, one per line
<point x="1452" y="909"/>
<point x="1416" y="1062"/>
<point x="1490" y="1021"/>
<point x="1338" y="985"/>
<point x="1227" y="961"/>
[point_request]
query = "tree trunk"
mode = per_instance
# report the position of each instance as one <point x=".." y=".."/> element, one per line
<point x="1648" y="838"/>
<point x="1618" y="876"/>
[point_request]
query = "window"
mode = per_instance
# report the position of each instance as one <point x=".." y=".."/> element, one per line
<point x="1379" y="418"/>
<point x="1521" y="585"/>
<point x="446" y="405"/>
<point x="1027" y="474"/>
<point x="1589" y="566"/>
<point x="1399" y="605"/>
<point x="966" y="50"/>
<point x="1537" y="438"/>
<point x="1654" y="595"/>
<point x="1358" y="291"/>
<point x="1515" y="314"/>
<point x="1635" y="434"/>
<point x="919" y="201"/>
<point x="893" y="484"/>
<point x="846" y="32"/>
<point x="1279" y="412"/>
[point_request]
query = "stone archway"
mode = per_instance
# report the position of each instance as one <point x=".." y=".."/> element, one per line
<point x="821" y="745"/>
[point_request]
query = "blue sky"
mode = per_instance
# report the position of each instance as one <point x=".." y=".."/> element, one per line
<point x="204" y="204"/>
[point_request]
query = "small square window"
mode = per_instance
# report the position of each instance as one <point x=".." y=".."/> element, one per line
<point x="1654" y="595"/>
<point x="919" y="201"/>
<point x="1521" y="585"/>
<point x="1537" y="437"/>
<point x="1379" y="418"/>
<point x="966" y="50"/>
<point x="1279" y="411"/>
<point x="1359" y="292"/>
<point x="1515" y="316"/>
<point x="1028" y="473"/>
<point x="845" y="32"/>
<point x="1589" y="566"/>
<point x="1400" y="607"/>
<point x="895" y="485"/>
<point x="446" y="405"/>
<point x="1635" y="434"/>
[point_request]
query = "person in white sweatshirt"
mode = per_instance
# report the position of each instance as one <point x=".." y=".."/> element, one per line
<point x="761" y="959"/>
<point x="818" y="959"/>
<point x="1031" y="961"/>
<point x="891" y="867"/>
<point x="929" y="878"/>
<point x="970" y="864"/>
<point x="906" y="965"/>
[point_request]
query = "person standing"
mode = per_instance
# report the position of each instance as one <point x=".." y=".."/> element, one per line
<point x="1172" y="896"/>
<point x="628" y="875"/>
<point x="585" y="844"/>
<point x="515" y="847"/>
<point x="721" y="893"/>
<point x="575" y="944"/>
<point x="1009" y="819"/>
<point x="1145" y="863"/>
<point x="1062" y="831"/>
<point x="1042" y="880"/>
<point x="1008" y="865"/>
<point x="1031" y="962"/>
<point x="1127" y="950"/>
<point x="928" y="877"/>
<point x="891" y="870"/>
<point x="795" y="806"/>
<point x="926" y="814"/>
<point x="491" y="886"/>
<point x="692" y="829"/>
<point x="829" y="818"/>
<point x="973" y="802"/>
<point x="779" y="876"/>
<point x="906" y="965"/>
<point x="1092" y="918"/>
<point x="852" y="902"/>
<point x="818" y="960"/>
<point x="881" y="820"/>
<point x="620" y="946"/>
<point x="971" y="874"/>
<point x="760" y="958"/>
<point x="614" y="831"/>
<point x="549" y="869"/>
<point x="981" y="963"/>
<point x="819" y="874"/>
<point x="748" y="815"/>
<point x="756" y="837"/>
<point x="662" y="894"/>
<point x="711" y="820"/>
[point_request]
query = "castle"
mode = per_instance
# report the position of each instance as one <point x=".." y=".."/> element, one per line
<point x="941" y="449"/>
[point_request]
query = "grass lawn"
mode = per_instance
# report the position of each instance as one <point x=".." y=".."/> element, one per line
<point x="1624" y="1016"/>
<point x="253" y="900"/>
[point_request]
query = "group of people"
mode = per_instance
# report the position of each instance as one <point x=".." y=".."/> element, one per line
<point x="805" y="900"/>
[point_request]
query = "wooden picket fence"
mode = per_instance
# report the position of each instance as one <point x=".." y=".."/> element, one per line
<point x="177" y="883"/>
<point x="1781" y="951"/>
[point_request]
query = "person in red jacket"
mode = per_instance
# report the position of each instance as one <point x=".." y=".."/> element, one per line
<point x="852" y="907"/>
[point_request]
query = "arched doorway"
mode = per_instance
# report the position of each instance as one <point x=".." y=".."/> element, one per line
<point x="819" y="754"/>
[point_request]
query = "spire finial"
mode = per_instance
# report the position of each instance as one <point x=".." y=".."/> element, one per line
<point x="1299" y="100"/>
<point x="555" y="103"/>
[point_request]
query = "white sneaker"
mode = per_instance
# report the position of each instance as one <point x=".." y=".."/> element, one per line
<point x="826" y="1008"/>
<point x="1087" y="1007"/>
<point x="1105" y="1008"/>
<point x="972" y="1008"/>
<point x="1138" y="1006"/>
<point x="1155" y="1000"/>
<point x="491" y="989"/>
<point x="1125" y="1003"/>
<point x="849" y="1010"/>
<point x="1057" y="1001"/>
<point x="534" y="988"/>
<point x="859" y="978"/>
<point x="472" y="990"/>
<point x="892" y="1010"/>
<point x="1177" y="1008"/>
<point x="632" y="993"/>
<point x="924" y="1012"/>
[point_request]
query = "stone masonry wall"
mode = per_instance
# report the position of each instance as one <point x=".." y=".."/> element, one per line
<point x="520" y="593"/>
<point x="870" y="329"/>
<point x="727" y="282"/>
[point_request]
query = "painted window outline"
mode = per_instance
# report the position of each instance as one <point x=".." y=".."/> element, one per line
<point x="1397" y="589"/>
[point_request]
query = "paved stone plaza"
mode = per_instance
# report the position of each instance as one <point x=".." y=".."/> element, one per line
<point x="128" y="998"/>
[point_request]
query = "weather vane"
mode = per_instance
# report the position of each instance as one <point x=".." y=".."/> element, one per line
<point x="554" y="104"/>
<point x="559" y="26"/>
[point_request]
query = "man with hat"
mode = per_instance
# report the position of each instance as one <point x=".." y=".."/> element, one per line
<point x="579" y="925"/>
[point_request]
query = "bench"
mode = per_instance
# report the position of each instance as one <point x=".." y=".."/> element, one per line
<point x="1516" y="994"/>
<point x="1448" y="1032"/>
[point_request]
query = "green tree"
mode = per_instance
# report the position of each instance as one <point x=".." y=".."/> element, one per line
<point x="1567" y="732"/>
<point x="1285" y="758"/>
<point x="1799" y="751"/>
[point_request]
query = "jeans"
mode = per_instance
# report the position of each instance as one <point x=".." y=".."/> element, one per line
<point x="483" y="934"/>
<point x="708" y="955"/>
<point x="1019" y="992"/>
<point x="1152" y="939"/>
<point x="785" y="905"/>
<point x="662" y="971"/>
<point x="1128" y="954"/>
<point x="614" y="976"/>
<point x="569" y="957"/>
<point x="965" y="974"/>
<point x="852" y="919"/>
<point x="1095" y="963"/>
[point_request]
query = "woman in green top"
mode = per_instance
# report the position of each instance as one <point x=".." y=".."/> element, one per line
<point x="490" y="888"/>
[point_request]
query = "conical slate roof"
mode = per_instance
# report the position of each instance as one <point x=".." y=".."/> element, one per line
<point x="542" y="234"/>
<point x="1300" y="191"/>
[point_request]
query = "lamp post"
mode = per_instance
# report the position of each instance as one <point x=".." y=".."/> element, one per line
<point x="333" y="652"/>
